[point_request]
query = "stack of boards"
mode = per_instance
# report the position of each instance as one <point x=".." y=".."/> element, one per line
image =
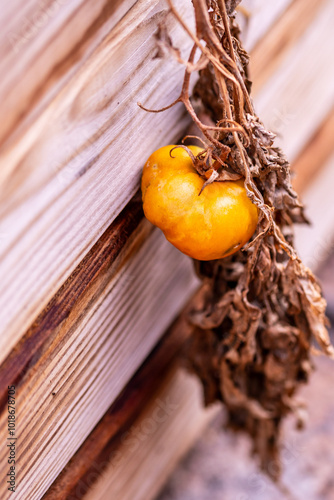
<point x="91" y="294"/>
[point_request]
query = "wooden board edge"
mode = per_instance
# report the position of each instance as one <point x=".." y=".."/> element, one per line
<point x="107" y="435"/>
<point x="314" y="156"/>
<point x="269" y="51"/>
<point x="95" y="263"/>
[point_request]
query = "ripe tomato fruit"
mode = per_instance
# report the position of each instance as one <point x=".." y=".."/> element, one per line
<point x="212" y="225"/>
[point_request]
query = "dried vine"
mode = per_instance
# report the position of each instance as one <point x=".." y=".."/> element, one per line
<point x="262" y="308"/>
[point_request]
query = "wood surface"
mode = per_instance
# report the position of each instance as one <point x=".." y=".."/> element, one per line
<point x="316" y="242"/>
<point x="257" y="18"/>
<point x="88" y="290"/>
<point x="67" y="176"/>
<point x="288" y="28"/>
<point x="296" y="99"/>
<point x="43" y="45"/>
<point x="92" y="273"/>
<point x="87" y="345"/>
<point x="156" y="448"/>
<point x="150" y="387"/>
<point x="314" y="155"/>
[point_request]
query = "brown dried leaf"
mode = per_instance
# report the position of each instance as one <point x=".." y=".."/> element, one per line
<point x="261" y="320"/>
<point x="262" y="308"/>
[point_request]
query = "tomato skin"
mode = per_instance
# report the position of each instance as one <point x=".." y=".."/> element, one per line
<point x="209" y="226"/>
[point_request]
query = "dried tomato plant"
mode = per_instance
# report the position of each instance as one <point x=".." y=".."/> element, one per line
<point x="261" y="309"/>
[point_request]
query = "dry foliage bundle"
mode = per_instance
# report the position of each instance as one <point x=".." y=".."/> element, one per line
<point x="262" y="308"/>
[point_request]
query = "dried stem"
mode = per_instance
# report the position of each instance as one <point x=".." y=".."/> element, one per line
<point x="262" y="308"/>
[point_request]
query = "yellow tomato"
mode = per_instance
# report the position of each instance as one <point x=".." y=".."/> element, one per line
<point x="212" y="225"/>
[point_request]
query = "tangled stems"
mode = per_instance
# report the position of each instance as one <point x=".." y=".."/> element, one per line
<point x="212" y="30"/>
<point x="261" y="307"/>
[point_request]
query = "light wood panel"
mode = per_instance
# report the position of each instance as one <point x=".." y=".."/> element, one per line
<point x="257" y="17"/>
<point x="119" y="309"/>
<point x="284" y="33"/>
<point x="296" y="99"/>
<point x="314" y="155"/>
<point x="78" y="164"/>
<point x="107" y="438"/>
<point x="69" y="33"/>
<point x="150" y="450"/>
<point x="43" y="44"/>
<point x="97" y="267"/>
<point x="316" y="242"/>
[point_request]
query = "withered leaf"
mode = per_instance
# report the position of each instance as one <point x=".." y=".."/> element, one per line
<point x="262" y="309"/>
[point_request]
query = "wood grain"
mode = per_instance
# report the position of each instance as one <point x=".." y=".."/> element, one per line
<point x="316" y="242"/>
<point x="92" y="349"/>
<point x="95" y="266"/>
<point x="296" y="99"/>
<point x="140" y="466"/>
<point x="92" y="457"/>
<point x="315" y="154"/>
<point x="283" y="35"/>
<point x="43" y="44"/>
<point x="77" y="165"/>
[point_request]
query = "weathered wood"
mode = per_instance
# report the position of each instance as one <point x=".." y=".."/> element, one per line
<point x="315" y="243"/>
<point x="149" y="453"/>
<point x="67" y="32"/>
<point x="93" y="269"/>
<point x="105" y="438"/>
<point x="296" y="99"/>
<point x="257" y="17"/>
<point x="69" y="175"/>
<point x="315" y="154"/>
<point x="281" y="38"/>
<point x="92" y="457"/>
<point x="89" y="356"/>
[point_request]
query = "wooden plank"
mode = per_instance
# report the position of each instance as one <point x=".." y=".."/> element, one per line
<point x="268" y="54"/>
<point x="293" y="103"/>
<point x="140" y="466"/>
<point x="108" y="317"/>
<point x="222" y="467"/>
<point x="315" y="154"/>
<point x="95" y="267"/>
<point x="91" y="458"/>
<point x="42" y="46"/>
<point x="261" y="17"/>
<point x="79" y="163"/>
<point x="69" y="32"/>
<point x="315" y="243"/>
